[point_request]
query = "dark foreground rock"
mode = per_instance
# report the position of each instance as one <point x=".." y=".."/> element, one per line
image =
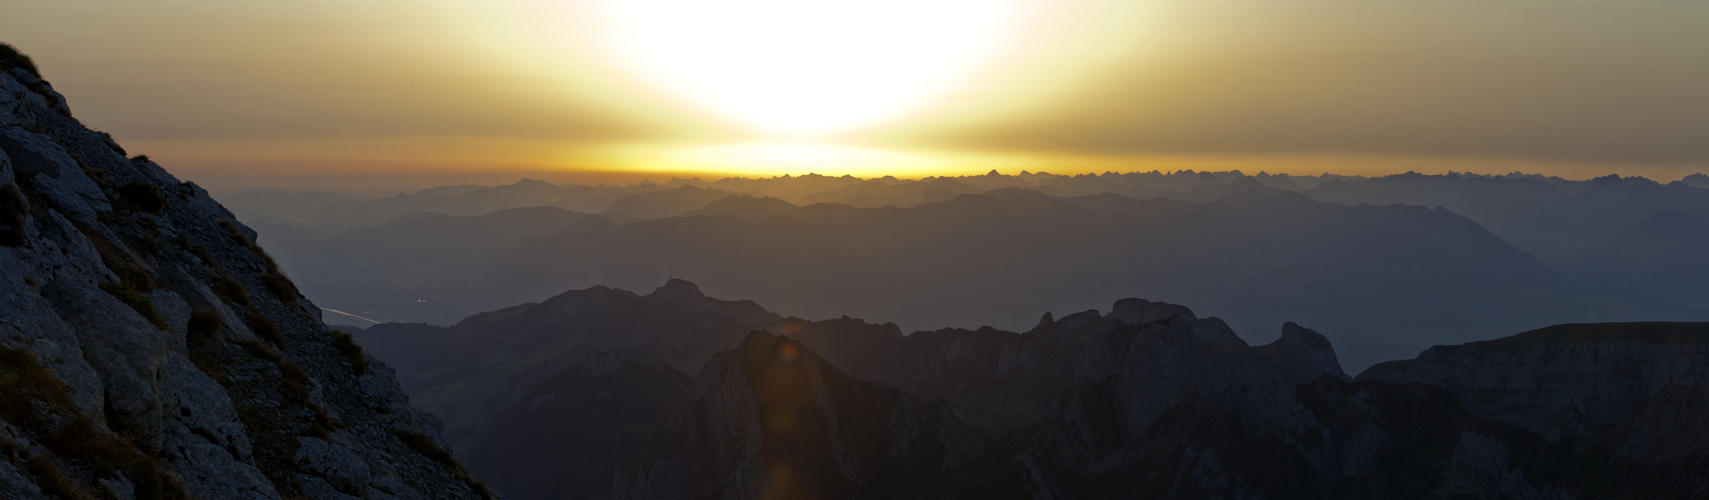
<point x="149" y="348"/>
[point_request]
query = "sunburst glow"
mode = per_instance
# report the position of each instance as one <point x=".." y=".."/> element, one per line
<point x="809" y="68"/>
<point x="787" y="157"/>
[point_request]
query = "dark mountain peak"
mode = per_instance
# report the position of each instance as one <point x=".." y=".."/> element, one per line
<point x="818" y="432"/>
<point x="1697" y="180"/>
<point x="678" y="288"/>
<point x="1045" y="321"/>
<point x="532" y="183"/>
<point x="1140" y="312"/>
<point x="1307" y="350"/>
<point x="756" y="340"/>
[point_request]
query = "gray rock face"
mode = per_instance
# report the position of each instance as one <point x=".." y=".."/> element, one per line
<point x="570" y="432"/>
<point x="1155" y="402"/>
<point x="152" y="350"/>
<point x="1643" y="385"/>
<point x="502" y="354"/>
<point x="770" y="419"/>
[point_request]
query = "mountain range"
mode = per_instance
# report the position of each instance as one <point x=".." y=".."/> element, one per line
<point x="152" y="348"/>
<point x="1377" y="276"/>
<point x="1146" y="399"/>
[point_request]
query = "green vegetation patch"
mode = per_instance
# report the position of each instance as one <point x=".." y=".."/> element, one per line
<point x="138" y="301"/>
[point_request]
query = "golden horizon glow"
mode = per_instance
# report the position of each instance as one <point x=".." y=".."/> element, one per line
<point x="779" y="157"/>
<point x="792" y="68"/>
<point x="638" y="89"/>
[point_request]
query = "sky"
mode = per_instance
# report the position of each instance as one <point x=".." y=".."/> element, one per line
<point x="388" y="94"/>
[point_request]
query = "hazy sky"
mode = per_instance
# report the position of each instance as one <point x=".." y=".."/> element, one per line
<point x="384" y="93"/>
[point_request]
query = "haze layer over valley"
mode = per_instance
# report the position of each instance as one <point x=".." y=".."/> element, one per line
<point x="1385" y="266"/>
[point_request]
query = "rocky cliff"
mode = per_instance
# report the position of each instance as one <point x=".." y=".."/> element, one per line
<point x="771" y="419"/>
<point x="1631" y="389"/>
<point x="467" y="373"/>
<point x="1147" y="400"/>
<point x="150" y="349"/>
<point x="567" y="436"/>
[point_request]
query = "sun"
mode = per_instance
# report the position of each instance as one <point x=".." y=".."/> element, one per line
<point x="808" y="68"/>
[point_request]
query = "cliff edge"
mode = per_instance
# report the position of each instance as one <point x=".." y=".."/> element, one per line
<point x="150" y="349"/>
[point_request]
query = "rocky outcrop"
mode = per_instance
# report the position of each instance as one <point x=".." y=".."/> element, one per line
<point x="1152" y="401"/>
<point x="1633" y="388"/>
<point x="467" y="373"/>
<point x="152" y="350"/>
<point x="565" y="439"/>
<point x="771" y="419"/>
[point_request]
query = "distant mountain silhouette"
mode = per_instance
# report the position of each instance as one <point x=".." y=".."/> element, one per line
<point x="746" y="207"/>
<point x="419" y="256"/>
<point x="1371" y="275"/>
<point x="503" y="353"/>
<point x="327" y="212"/>
<point x="1145" y="400"/>
<point x="1664" y="254"/>
<point x="665" y="203"/>
<point x="878" y="193"/>
<point x="1697" y="180"/>
<point x="1245" y="246"/>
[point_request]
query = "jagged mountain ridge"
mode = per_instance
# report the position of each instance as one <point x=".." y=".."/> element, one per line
<point x="152" y="350"/>
<point x="502" y="354"/>
<point x="1368" y="275"/>
<point x="564" y="439"/>
<point x="1556" y="220"/>
<point x="1147" y="399"/>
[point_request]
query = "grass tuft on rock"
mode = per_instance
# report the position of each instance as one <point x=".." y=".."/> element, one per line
<point x="35" y="401"/>
<point x="10" y="58"/>
<point x="144" y="196"/>
<point x="351" y="351"/>
<point x="138" y="301"/>
<point x="425" y="446"/>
